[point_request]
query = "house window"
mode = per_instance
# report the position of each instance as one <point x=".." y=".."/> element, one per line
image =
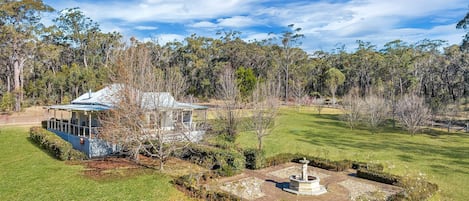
<point x="186" y="116"/>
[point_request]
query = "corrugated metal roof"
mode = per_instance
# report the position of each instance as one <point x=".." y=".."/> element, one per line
<point x="105" y="99"/>
<point x="105" y="96"/>
<point x="79" y="107"/>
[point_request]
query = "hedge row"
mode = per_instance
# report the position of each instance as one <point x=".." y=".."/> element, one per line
<point x="378" y="176"/>
<point x="191" y="185"/>
<point x="368" y="166"/>
<point x="313" y="161"/>
<point x="225" y="162"/>
<point x="55" y="145"/>
<point x="323" y="163"/>
<point x="414" y="188"/>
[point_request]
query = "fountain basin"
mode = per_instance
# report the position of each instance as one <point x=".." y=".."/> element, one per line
<point x="300" y="186"/>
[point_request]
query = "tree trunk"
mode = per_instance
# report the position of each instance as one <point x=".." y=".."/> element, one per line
<point x="259" y="145"/>
<point x="17" y="85"/>
<point x="286" y="83"/>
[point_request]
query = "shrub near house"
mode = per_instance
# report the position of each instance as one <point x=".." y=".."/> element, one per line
<point x="55" y="145"/>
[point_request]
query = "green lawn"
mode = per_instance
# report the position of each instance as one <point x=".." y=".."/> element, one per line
<point x="442" y="157"/>
<point x="28" y="173"/>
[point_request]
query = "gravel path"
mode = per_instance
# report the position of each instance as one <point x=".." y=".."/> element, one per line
<point x="267" y="184"/>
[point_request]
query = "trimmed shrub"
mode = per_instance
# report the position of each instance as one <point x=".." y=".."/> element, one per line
<point x="191" y="184"/>
<point x="224" y="161"/>
<point x="280" y="159"/>
<point x="369" y="166"/>
<point x="53" y="144"/>
<point x="378" y="176"/>
<point x="254" y="158"/>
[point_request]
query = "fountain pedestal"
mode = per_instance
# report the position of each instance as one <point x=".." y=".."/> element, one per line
<point x="305" y="185"/>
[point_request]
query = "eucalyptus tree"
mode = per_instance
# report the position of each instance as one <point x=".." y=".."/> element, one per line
<point x="77" y="31"/>
<point x="464" y="24"/>
<point x="363" y="67"/>
<point x="398" y="59"/>
<point x="334" y="79"/>
<point x="20" y="21"/>
<point x="289" y="54"/>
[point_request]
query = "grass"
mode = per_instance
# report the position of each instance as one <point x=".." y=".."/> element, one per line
<point x="442" y="157"/>
<point x="28" y="173"/>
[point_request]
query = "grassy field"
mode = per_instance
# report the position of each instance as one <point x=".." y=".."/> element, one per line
<point x="442" y="157"/>
<point x="28" y="173"/>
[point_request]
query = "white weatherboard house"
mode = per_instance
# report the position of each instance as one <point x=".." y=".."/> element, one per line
<point x="80" y="125"/>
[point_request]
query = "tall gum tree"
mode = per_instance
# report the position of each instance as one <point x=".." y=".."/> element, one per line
<point x="464" y="24"/>
<point x="20" y="20"/>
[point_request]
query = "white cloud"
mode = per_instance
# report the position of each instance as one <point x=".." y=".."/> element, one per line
<point x="165" y="38"/>
<point x="203" y="24"/>
<point x="146" y="28"/>
<point x="256" y="36"/>
<point x="324" y="23"/>
<point x="237" y="22"/>
<point x="166" y="10"/>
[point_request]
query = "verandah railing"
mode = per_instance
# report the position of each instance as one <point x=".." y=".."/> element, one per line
<point x="73" y="129"/>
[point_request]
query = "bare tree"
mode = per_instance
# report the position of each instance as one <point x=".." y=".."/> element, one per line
<point x="319" y="104"/>
<point x="264" y="110"/>
<point x="228" y="92"/>
<point x="299" y="92"/>
<point x="353" y="106"/>
<point x="175" y="83"/>
<point x="136" y="120"/>
<point x="375" y="111"/>
<point x="412" y="112"/>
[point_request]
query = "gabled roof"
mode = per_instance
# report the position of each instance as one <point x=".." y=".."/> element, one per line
<point x="105" y="98"/>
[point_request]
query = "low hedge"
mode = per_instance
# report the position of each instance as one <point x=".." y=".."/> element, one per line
<point x="191" y="185"/>
<point x="254" y="158"/>
<point x="55" y="145"/>
<point x="225" y="162"/>
<point x="369" y="166"/>
<point x="378" y="176"/>
<point x="280" y="159"/>
<point x="313" y="161"/>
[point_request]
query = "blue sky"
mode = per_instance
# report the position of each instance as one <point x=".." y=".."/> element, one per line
<point x="326" y="24"/>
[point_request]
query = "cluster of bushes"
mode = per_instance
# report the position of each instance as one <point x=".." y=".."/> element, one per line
<point x="191" y="185"/>
<point x="225" y="162"/>
<point x="254" y="158"/>
<point x="55" y="145"/>
<point x="414" y="188"/>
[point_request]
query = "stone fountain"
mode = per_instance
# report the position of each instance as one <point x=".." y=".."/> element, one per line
<point x="304" y="184"/>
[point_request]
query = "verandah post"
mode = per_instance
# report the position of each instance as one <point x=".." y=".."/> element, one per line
<point x="89" y="125"/>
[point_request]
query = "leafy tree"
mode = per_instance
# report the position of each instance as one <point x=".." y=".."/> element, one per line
<point x="246" y="81"/>
<point x="464" y="24"/>
<point x="289" y="55"/>
<point x="335" y="78"/>
<point x="7" y="102"/>
<point x="20" y="21"/>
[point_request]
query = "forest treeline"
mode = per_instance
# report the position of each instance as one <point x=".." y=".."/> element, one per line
<point x="43" y="65"/>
